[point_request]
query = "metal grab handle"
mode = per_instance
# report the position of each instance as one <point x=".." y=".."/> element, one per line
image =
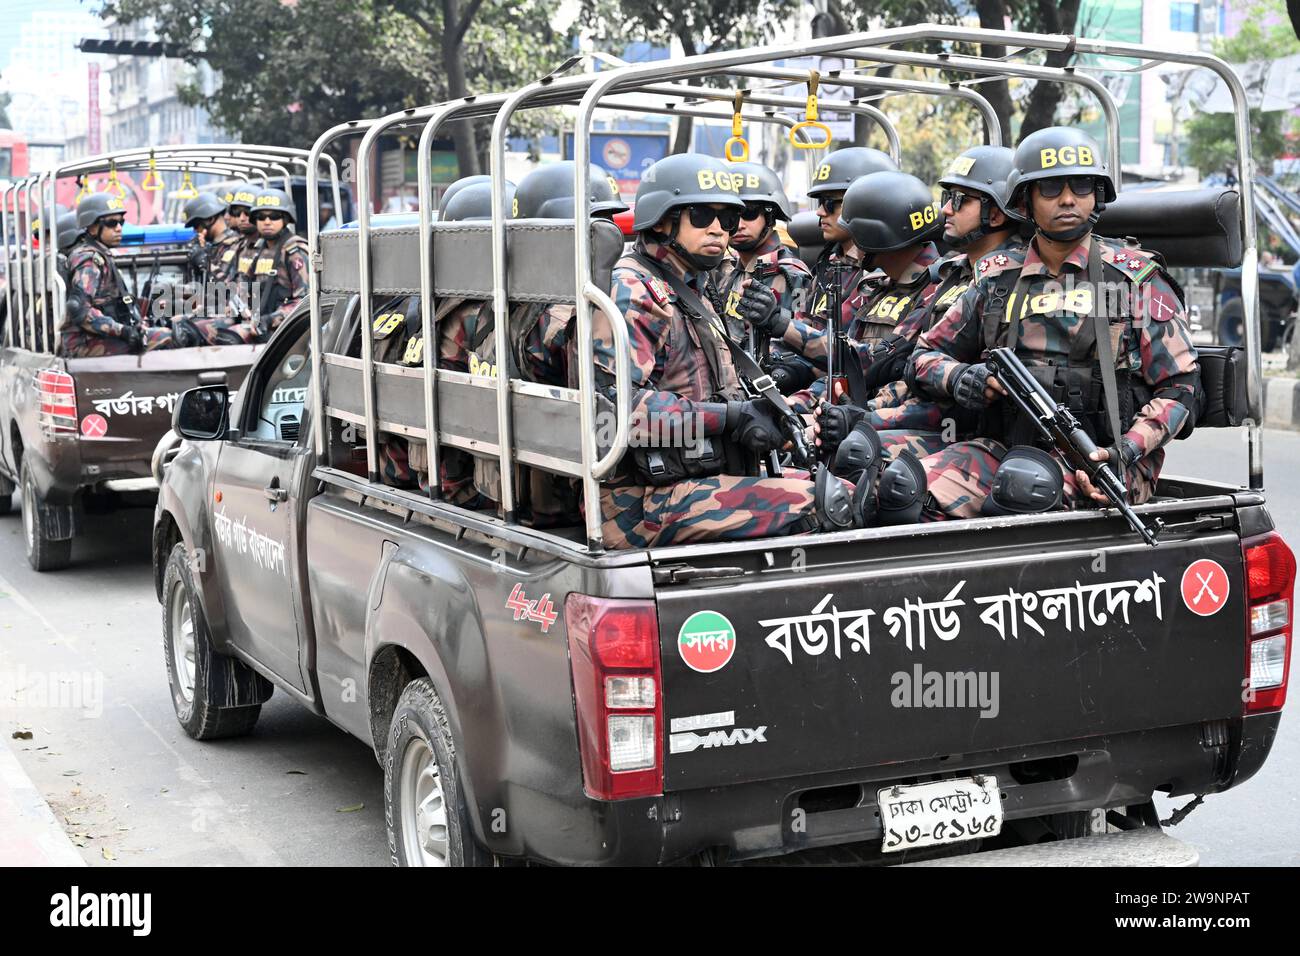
<point x="810" y="119"/>
<point x="737" y="133"/>
<point x="622" y="377"/>
<point x="276" y="493"/>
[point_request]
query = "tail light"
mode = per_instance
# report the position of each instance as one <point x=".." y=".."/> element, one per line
<point x="1270" y="583"/>
<point x="618" y="694"/>
<point x="57" y="394"/>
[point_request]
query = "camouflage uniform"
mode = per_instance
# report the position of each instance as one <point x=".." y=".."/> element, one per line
<point x="1154" y="346"/>
<point x="278" y="272"/>
<point x="100" y="312"/>
<point x="902" y="418"/>
<point x="675" y="382"/>
<point x="883" y="308"/>
<point x="780" y="270"/>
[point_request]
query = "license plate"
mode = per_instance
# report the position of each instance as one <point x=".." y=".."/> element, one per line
<point x="930" y="814"/>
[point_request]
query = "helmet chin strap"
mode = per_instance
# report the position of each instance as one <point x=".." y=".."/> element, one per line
<point x="749" y="246"/>
<point x="696" y="261"/>
<point x="976" y="234"/>
<point x="1078" y="232"/>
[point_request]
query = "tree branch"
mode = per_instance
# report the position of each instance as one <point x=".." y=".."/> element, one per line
<point x="466" y="19"/>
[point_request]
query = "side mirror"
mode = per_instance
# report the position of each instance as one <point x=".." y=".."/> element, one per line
<point x="202" y="412"/>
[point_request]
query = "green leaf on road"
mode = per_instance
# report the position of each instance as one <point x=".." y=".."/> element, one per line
<point x="352" y="809"/>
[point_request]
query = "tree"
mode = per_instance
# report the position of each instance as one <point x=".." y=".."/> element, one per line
<point x="290" y="70"/>
<point x="1212" y="137"/>
<point x="698" y="27"/>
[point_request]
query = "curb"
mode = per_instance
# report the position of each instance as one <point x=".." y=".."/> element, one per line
<point x="30" y="835"/>
<point x="1282" y="403"/>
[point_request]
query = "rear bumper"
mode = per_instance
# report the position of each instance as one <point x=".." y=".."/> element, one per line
<point x="779" y="817"/>
<point x="1146" y="847"/>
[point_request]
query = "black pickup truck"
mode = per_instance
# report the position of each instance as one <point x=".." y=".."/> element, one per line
<point x="886" y="695"/>
<point x="73" y="429"/>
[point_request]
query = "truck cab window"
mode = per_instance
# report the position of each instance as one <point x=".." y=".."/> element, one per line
<point x="279" y="416"/>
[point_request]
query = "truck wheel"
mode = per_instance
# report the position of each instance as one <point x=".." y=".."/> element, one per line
<point x="43" y="552"/>
<point x="1232" y="323"/>
<point x="424" y="808"/>
<point x="200" y="678"/>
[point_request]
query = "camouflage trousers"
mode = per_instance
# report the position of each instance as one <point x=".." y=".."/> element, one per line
<point x="78" y="343"/>
<point x="720" y="508"/>
<point x="960" y="476"/>
<point x="402" y="465"/>
<point x="919" y="443"/>
<point x="223" y="330"/>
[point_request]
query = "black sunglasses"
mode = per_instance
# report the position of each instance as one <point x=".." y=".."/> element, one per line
<point x="702" y="216"/>
<point x="753" y="211"/>
<point x="113" y="223"/>
<point x="265" y="216"/>
<point x="1079" y="185"/>
<point x="830" y="205"/>
<point x="956" y="198"/>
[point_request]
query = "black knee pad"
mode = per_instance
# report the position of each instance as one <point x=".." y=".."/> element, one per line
<point x="1028" y="481"/>
<point x="902" y="490"/>
<point x="833" y="501"/>
<point x="859" y="451"/>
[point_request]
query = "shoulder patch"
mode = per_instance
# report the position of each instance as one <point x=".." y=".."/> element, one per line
<point x="658" y="290"/>
<point x="996" y="263"/>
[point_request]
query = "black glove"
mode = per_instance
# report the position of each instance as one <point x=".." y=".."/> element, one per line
<point x="133" y="339"/>
<point x="754" y="425"/>
<point x="834" y="423"/>
<point x="758" y="306"/>
<point x="968" y="387"/>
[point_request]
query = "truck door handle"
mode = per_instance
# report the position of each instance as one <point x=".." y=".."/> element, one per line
<point x="276" y="493"/>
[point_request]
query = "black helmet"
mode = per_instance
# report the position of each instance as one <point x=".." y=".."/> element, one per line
<point x="838" y="170"/>
<point x="763" y="185"/>
<point x="1056" y="152"/>
<point x="547" y="192"/>
<point x="273" y="200"/>
<point x="1028" y="481"/>
<point x="681" y="180"/>
<point x="59" y="210"/>
<point x="473" y="202"/>
<point x="244" y="194"/>
<point x="96" y="206"/>
<point x="983" y="170"/>
<point x="456" y="187"/>
<point x="66" y="230"/>
<point x="203" y="206"/>
<point x="888" y="211"/>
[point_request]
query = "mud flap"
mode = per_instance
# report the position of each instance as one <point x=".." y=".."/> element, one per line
<point x="58" y="522"/>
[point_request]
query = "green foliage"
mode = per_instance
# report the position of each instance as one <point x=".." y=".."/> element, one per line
<point x="1212" y="137"/>
<point x="290" y="71"/>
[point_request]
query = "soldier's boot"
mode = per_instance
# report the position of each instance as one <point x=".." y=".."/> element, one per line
<point x="903" y="490"/>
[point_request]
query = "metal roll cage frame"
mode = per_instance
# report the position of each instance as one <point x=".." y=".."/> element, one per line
<point x="41" y="271"/>
<point x="591" y="91"/>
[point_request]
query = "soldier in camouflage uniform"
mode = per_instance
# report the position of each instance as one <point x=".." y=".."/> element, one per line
<point x="758" y="254"/>
<point x="102" y="318"/>
<point x="977" y="222"/>
<point x="688" y="474"/>
<point x="463" y="345"/>
<point x="840" y="260"/>
<point x="892" y="218"/>
<point x="236" y="255"/>
<point x="1043" y="302"/>
<point x="277" y="276"/>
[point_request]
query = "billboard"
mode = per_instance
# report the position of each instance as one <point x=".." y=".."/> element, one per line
<point x="625" y="154"/>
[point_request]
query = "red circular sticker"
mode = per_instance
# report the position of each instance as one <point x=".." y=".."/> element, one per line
<point x="706" y="641"/>
<point x="1205" y="587"/>
<point x="94" y="426"/>
<point x="618" y="153"/>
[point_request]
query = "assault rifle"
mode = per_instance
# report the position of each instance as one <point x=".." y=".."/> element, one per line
<point x="1058" y="425"/>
